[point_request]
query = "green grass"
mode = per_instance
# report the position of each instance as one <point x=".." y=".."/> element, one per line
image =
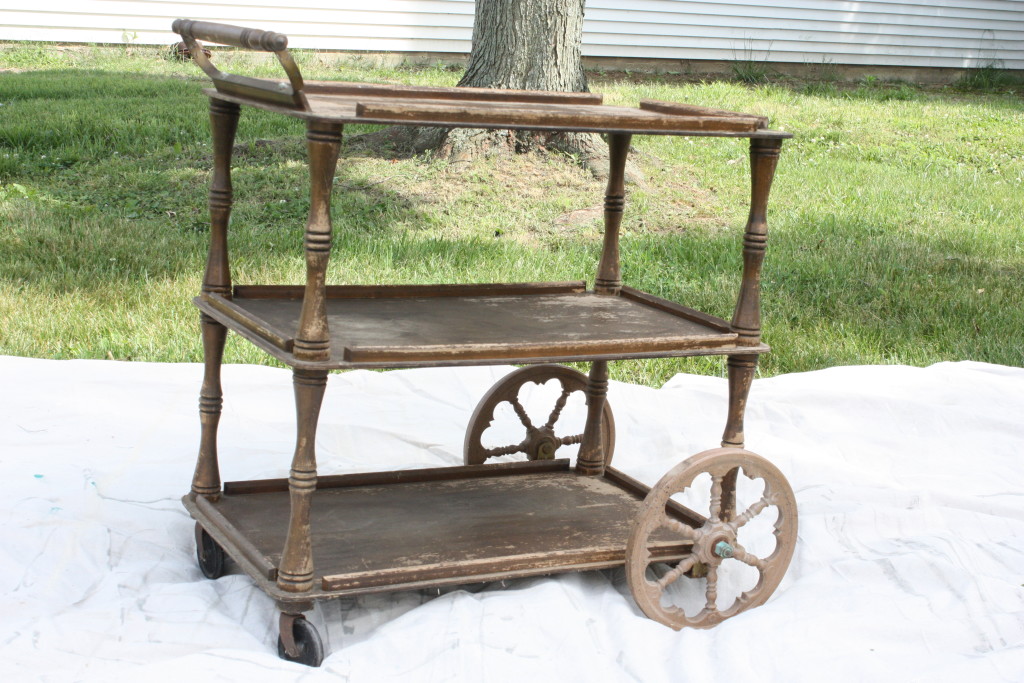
<point x="990" y="78"/>
<point x="895" y="221"/>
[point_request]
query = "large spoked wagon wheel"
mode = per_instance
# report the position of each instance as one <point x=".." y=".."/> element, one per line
<point x="714" y="543"/>
<point x="538" y="442"/>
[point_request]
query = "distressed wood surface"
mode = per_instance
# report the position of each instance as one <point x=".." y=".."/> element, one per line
<point x="675" y="309"/>
<point x="609" y="268"/>
<point x="388" y="534"/>
<point x="400" y="291"/>
<point x="683" y="109"/>
<point x="591" y="460"/>
<point x="510" y="115"/>
<point x="542" y="116"/>
<point x="295" y="572"/>
<point x="312" y="339"/>
<point x="390" y="91"/>
<point x="502" y="469"/>
<point x="427" y="328"/>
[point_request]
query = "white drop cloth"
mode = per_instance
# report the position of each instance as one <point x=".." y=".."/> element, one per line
<point x="910" y="563"/>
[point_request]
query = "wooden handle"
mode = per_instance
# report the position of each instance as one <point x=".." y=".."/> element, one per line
<point x="236" y="36"/>
<point x="288" y="94"/>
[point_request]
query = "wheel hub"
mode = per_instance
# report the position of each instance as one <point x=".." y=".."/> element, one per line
<point x="543" y="445"/>
<point x="714" y="543"/>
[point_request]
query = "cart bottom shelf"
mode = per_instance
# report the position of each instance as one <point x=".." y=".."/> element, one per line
<point x="420" y="528"/>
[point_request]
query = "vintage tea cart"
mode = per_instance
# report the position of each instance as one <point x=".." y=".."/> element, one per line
<point x="480" y="521"/>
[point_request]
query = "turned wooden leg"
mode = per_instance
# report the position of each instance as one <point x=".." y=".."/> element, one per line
<point x="296" y="570"/>
<point x="312" y="342"/>
<point x="609" y="272"/>
<point x="206" y="480"/>
<point x="313" y="339"/>
<point x="216" y="280"/>
<point x="591" y="456"/>
<point x="741" y="376"/>
<point x="746" y="319"/>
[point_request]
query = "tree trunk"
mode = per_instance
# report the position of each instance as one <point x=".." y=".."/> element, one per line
<point x="522" y="45"/>
<point x="527" y="45"/>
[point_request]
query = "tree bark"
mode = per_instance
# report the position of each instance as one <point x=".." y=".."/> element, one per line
<point x="522" y="45"/>
<point x="527" y="45"/>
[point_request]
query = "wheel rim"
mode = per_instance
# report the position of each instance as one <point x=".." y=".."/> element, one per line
<point x="538" y="442"/>
<point x="714" y="543"/>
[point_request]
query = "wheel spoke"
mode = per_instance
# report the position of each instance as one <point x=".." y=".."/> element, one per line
<point x="521" y="412"/>
<point x="716" y="497"/>
<point x="505" y="450"/>
<point x="688" y="532"/>
<point x="751" y="512"/>
<point x="712" y="591"/>
<point x="557" y="410"/>
<point x="685" y="565"/>
<point x="570" y="440"/>
<point x="729" y="494"/>
<point x="740" y="553"/>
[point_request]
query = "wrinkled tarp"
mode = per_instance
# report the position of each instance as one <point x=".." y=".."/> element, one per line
<point x="909" y="566"/>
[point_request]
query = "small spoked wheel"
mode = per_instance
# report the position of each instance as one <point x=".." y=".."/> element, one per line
<point x="715" y="543"/>
<point x="209" y="554"/>
<point x="306" y="646"/>
<point x="538" y="442"/>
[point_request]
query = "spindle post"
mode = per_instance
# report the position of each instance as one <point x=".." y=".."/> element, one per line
<point x="216" y="280"/>
<point x="609" y="272"/>
<point x="312" y="343"/>
<point x="746" y="319"/>
<point x="295" y="572"/>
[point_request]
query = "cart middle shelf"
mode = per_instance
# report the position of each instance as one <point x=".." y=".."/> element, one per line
<point x="475" y="324"/>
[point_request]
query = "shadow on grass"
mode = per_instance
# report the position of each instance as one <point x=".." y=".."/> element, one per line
<point x="105" y="179"/>
<point x="84" y="116"/>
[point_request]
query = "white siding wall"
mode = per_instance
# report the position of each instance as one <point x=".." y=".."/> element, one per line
<point x="925" y="33"/>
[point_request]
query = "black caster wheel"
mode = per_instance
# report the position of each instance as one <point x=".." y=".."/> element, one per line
<point x="209" y="554"/>
<point x="309" y="649"/>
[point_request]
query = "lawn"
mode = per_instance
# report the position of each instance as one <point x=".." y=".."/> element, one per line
<point x="895" y="222"/>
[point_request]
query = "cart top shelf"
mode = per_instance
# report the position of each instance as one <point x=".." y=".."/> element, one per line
<point x="468" y="108"/>
<point x="342" y="102"/>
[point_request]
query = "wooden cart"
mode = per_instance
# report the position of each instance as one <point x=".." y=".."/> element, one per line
<point x="478" y="522"/>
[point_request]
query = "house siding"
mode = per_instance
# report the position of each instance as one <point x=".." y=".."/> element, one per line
<point x="937" y="33"/>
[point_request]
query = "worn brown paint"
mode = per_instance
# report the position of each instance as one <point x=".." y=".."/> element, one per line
<point x="402" y="530"/>
<point x="609" y="270"/>
<point x="296" y="569"/>
<point x="654" y="520"/>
